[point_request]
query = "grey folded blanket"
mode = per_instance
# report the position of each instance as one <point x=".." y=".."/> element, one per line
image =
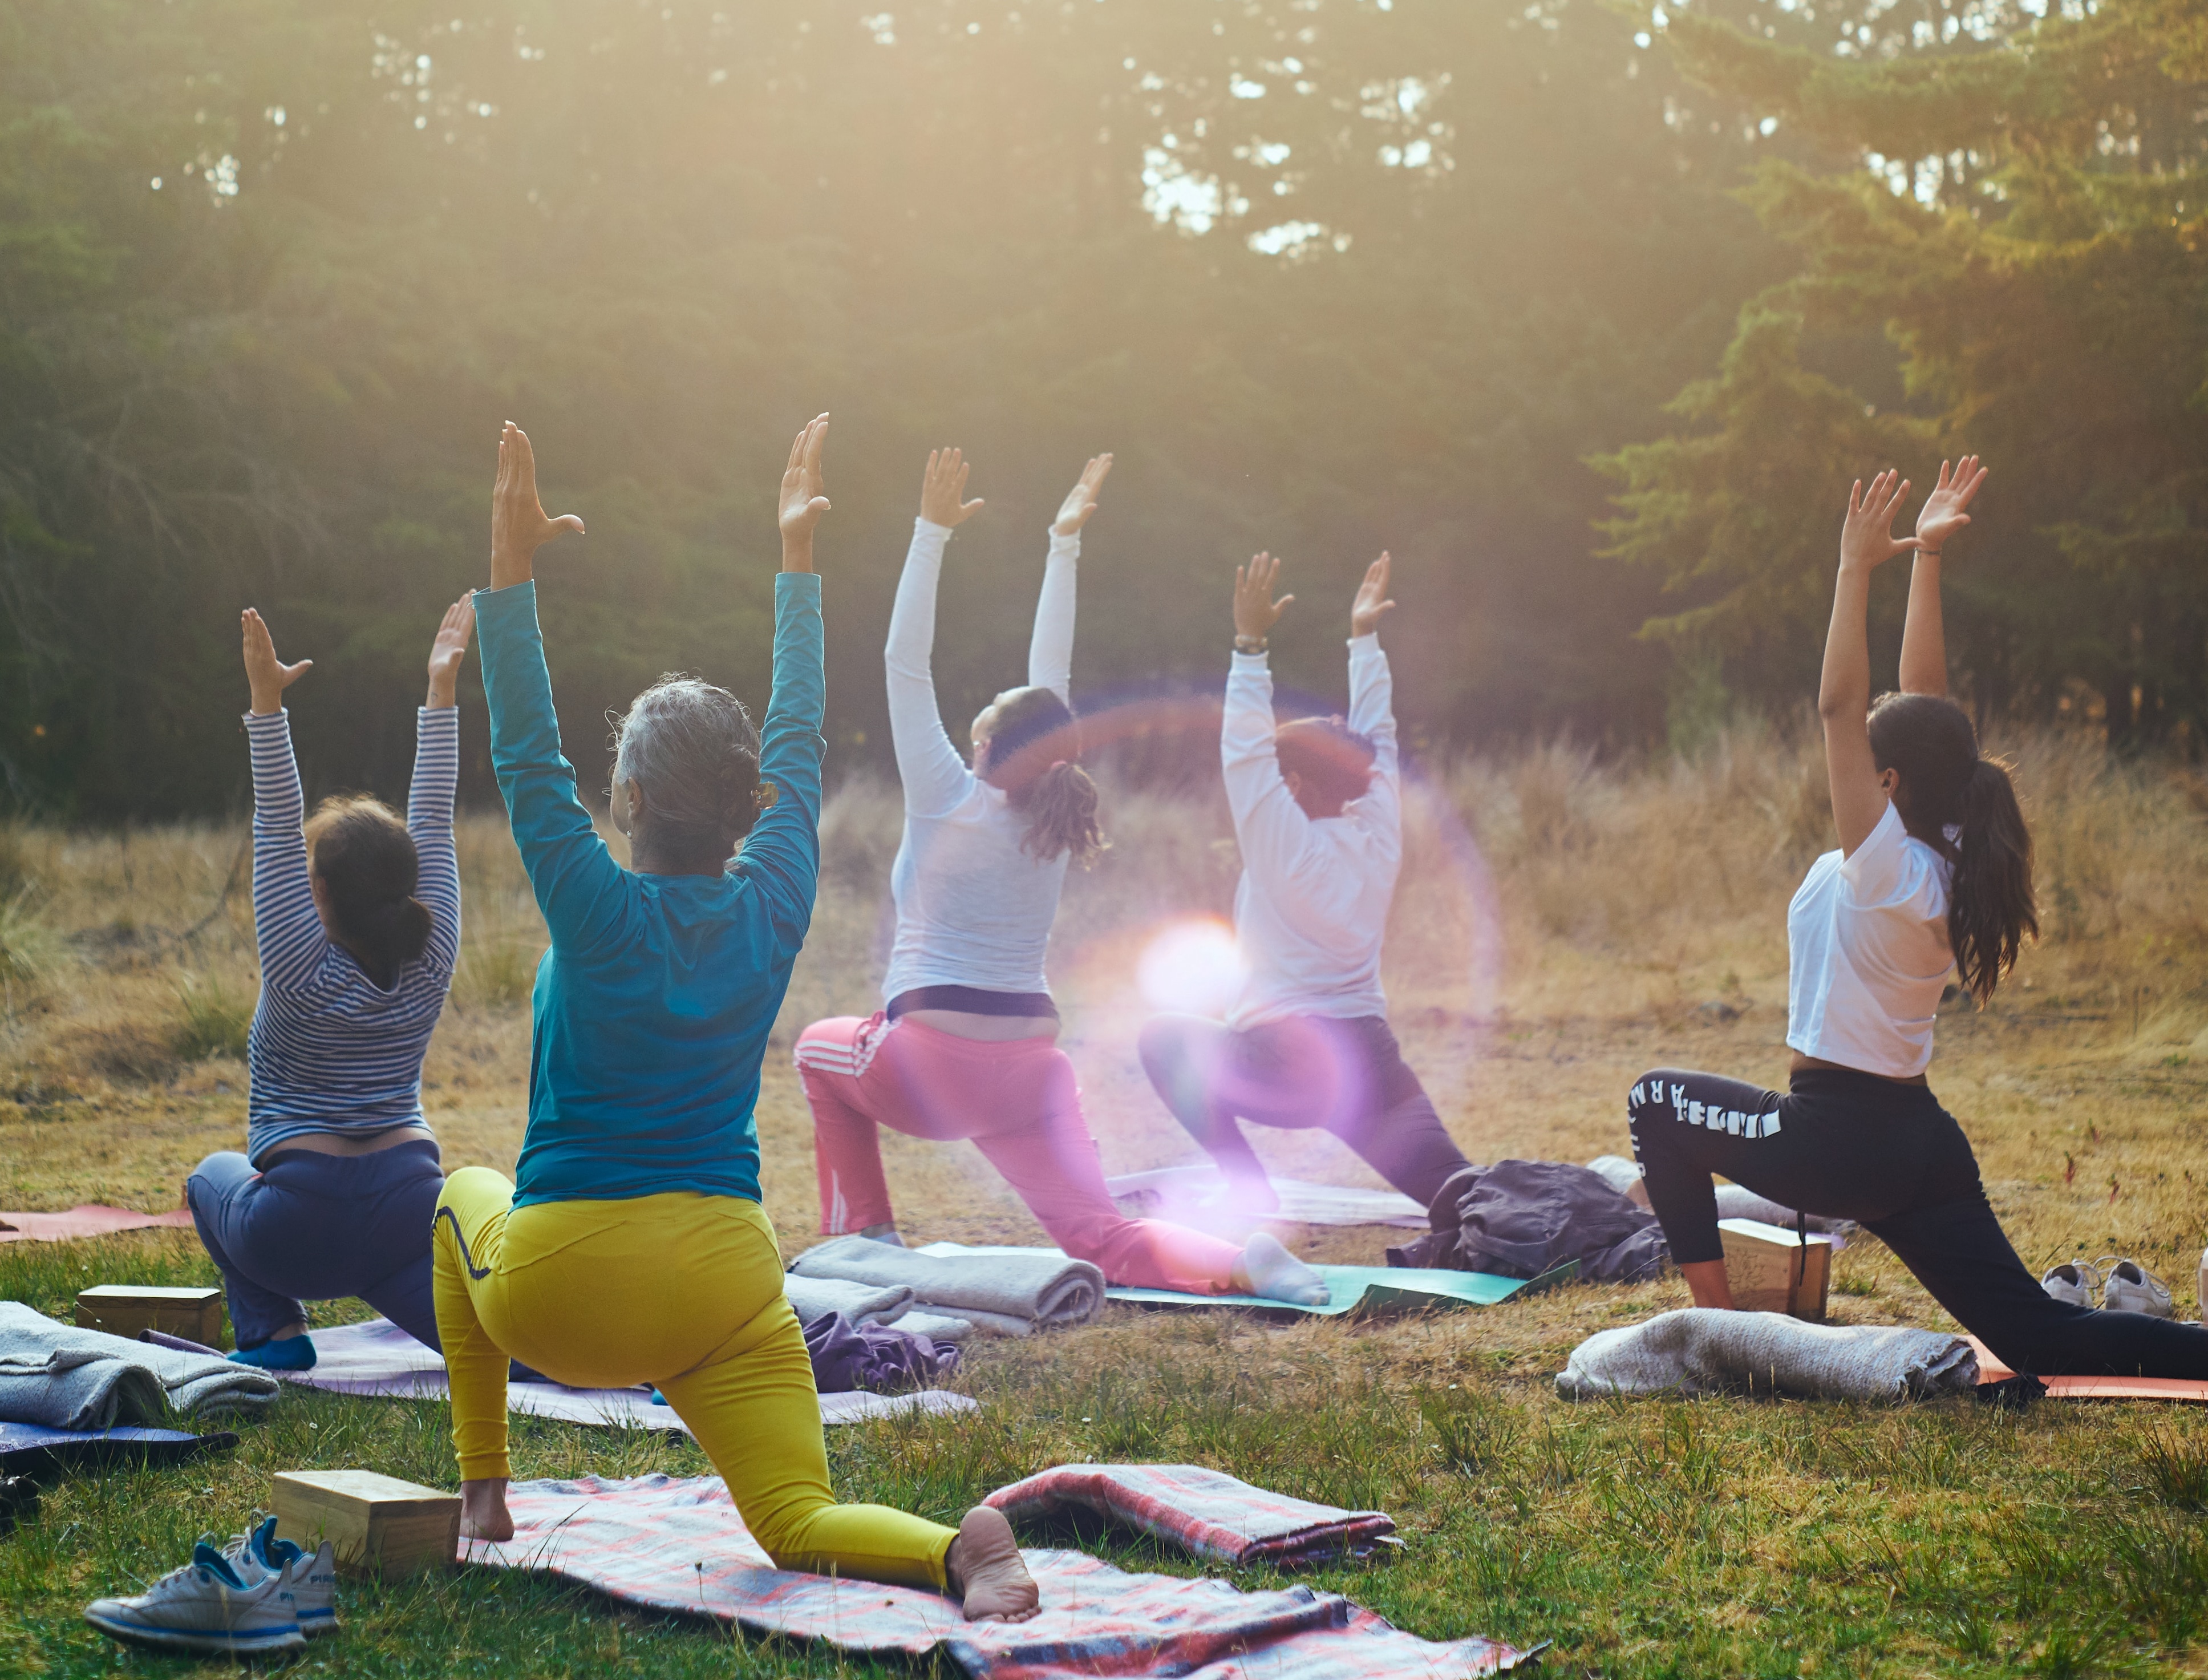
<point x="1703" y="1350"/>
<point x="812" y="1298"/>
<point x="1008" y="1294"/>
<point x="63" y="1378"/>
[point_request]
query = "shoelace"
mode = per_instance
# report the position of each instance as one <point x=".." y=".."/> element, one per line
<point x="2090" y="1277"/>
<point x="2113" y="1263"/>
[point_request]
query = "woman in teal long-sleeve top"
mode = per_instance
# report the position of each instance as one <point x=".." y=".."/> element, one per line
<point x="634" y="1248"/>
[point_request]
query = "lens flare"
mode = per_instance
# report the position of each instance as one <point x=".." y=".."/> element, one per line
<point x="1191" y="968"/>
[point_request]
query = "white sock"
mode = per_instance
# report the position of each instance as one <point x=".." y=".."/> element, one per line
<point x="1278" y="1275"/>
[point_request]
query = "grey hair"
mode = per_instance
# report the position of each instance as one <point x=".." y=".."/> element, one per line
<point x="693" y="750"/>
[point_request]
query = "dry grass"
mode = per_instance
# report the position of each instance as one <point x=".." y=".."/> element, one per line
<point x="1561" y="925"/>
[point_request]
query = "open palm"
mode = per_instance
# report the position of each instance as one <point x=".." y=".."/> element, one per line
<point x="1942" y="514"/>
<point x="268" y="675"/>
<point x="1371" y="604"/>
<point x="1080" y="500"/>
<point x="804" y="488"/>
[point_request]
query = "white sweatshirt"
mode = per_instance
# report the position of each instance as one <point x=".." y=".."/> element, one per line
<point x="972" y="907"/>
<point x="1312" y="910"/>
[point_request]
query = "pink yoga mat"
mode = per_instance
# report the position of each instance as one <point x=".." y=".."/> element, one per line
<point x="1991" y="1370"/>
<point x="675" y="1545"/>
<point x="89" y="1220"/>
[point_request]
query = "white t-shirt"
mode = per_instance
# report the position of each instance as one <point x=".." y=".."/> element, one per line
<point x="972" y="907"/>
<point x="1312" y="910"/>
<point x="1868" y="954"/>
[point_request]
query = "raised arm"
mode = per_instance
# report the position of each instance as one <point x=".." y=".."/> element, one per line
<point x="935" y="777"/>
<point x="1050" y="650"/>
<point x="1371" y="685"/>
<point x="1923" y="634"/>
<point x="285" y="926"/>
<point x="585" y="895"/>
<point x="1269" y="825"/>
<point x="436" y="772"/>
<point x="782" y="853"/>
<point x="1866" y="543"/>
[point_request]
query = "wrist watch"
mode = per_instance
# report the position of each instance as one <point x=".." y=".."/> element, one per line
<point x="1249" y="644"/>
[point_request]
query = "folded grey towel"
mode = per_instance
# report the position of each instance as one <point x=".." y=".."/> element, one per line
<point x="1004" y="1293"/>
<point x="63" y="1378"/>
<point x="1703" y="1350"/>
<point x="812" y="1298"/>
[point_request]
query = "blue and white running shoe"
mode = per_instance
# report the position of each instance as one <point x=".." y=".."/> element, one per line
<point x="206" y="1605"/>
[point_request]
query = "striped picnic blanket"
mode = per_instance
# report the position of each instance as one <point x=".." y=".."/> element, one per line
<point x="1204" y="1511"/>
<point x="673" y="1545"/>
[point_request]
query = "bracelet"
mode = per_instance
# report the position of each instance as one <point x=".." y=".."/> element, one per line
<point x="1249" y="644"/>
<point x="1927" y="553"/>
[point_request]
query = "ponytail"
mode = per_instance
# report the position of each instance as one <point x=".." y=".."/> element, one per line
<point x="1947" y="789"/>
<point x="367" y="865"/>
<point x="1060" y="806"/>
<point x="1032" y="739"/>
<point x="1990" y="908"/>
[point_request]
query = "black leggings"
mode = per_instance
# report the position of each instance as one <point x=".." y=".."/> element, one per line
<point x="1348" y="1076"/>
<point x="1854" y="1146"/>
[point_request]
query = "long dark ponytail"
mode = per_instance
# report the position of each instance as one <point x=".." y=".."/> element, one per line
<point x="1947" y="784"/>
<point x="1033" y="740"/>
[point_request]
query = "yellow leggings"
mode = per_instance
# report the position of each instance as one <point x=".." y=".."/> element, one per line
<point x="678" y="1290"/>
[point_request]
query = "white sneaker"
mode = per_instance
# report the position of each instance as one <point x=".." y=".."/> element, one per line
<point x="2071" y="1282"/>
<point x="259" y="1552"/>
<point x="2132" y="1289"/>
<point x="205" y="1606"/>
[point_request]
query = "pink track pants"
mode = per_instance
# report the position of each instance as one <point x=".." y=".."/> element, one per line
<point x="1019" y="1103"/>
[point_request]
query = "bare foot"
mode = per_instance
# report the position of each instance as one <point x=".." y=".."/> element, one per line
<point x="483" y="1514"/>
<point x="986" y="1570"/>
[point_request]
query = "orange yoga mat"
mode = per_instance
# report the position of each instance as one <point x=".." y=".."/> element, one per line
<point x="1991" y="1370"/>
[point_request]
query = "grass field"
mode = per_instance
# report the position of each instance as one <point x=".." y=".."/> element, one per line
<point x="1561" y="926"/>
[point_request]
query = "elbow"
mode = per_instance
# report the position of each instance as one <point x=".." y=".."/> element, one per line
<point x="1833" y="708"/>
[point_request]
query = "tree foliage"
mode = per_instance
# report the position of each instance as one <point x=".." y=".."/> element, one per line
<point x="2014" y="208"/>
<point x="1328" y="275"/>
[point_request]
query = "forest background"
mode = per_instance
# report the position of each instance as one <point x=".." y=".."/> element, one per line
<point x="1589" y="313"/>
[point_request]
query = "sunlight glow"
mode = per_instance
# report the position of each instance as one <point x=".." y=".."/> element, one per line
<point x="1192" y="968"/>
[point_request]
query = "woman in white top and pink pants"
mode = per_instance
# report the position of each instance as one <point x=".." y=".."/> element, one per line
<point x="966" y="1045"/>
<point x="1933" y="877"/>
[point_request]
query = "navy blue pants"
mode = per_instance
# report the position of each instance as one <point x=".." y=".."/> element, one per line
<point x="1347" y="1076"/>
<point x="1854" y="1146"/>
<point x="317" y="1227"/>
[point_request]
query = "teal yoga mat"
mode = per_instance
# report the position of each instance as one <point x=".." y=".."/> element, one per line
<point x="1370" y="1292"/>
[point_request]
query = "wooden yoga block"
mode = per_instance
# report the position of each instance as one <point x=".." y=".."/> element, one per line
<point x="125" y="1309"/>
<point x="378" y="1524"/>
<point x="1763" y="1261"/>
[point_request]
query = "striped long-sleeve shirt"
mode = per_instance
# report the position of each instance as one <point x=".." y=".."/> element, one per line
<point x="330" y="1051"/>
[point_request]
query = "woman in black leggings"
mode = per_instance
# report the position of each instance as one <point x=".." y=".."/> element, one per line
<point x="1933" y="877"/>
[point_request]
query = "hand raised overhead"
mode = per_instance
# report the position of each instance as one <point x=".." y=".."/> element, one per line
<point x="1867" y="540"/>
<point x="518" y="526"/>
<point x="1080" y="500"/>
<point x="268" y="675"/>
<point x="449" y="649"/>
<point x="943" y="486"/>
<point x="1942" y="514"/>
<point x="1256" y="611"/>
<point x="1371" y="604"/>
<point x="802" y="499"/>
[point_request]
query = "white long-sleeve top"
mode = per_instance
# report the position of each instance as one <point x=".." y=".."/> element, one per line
<point x="1310" y="912"/>
<point x="972" y="907"/>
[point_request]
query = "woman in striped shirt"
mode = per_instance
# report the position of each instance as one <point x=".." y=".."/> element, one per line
<point x="357" y="916"/>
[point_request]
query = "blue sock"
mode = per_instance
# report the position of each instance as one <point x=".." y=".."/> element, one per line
<point x="293" y="1353"/>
